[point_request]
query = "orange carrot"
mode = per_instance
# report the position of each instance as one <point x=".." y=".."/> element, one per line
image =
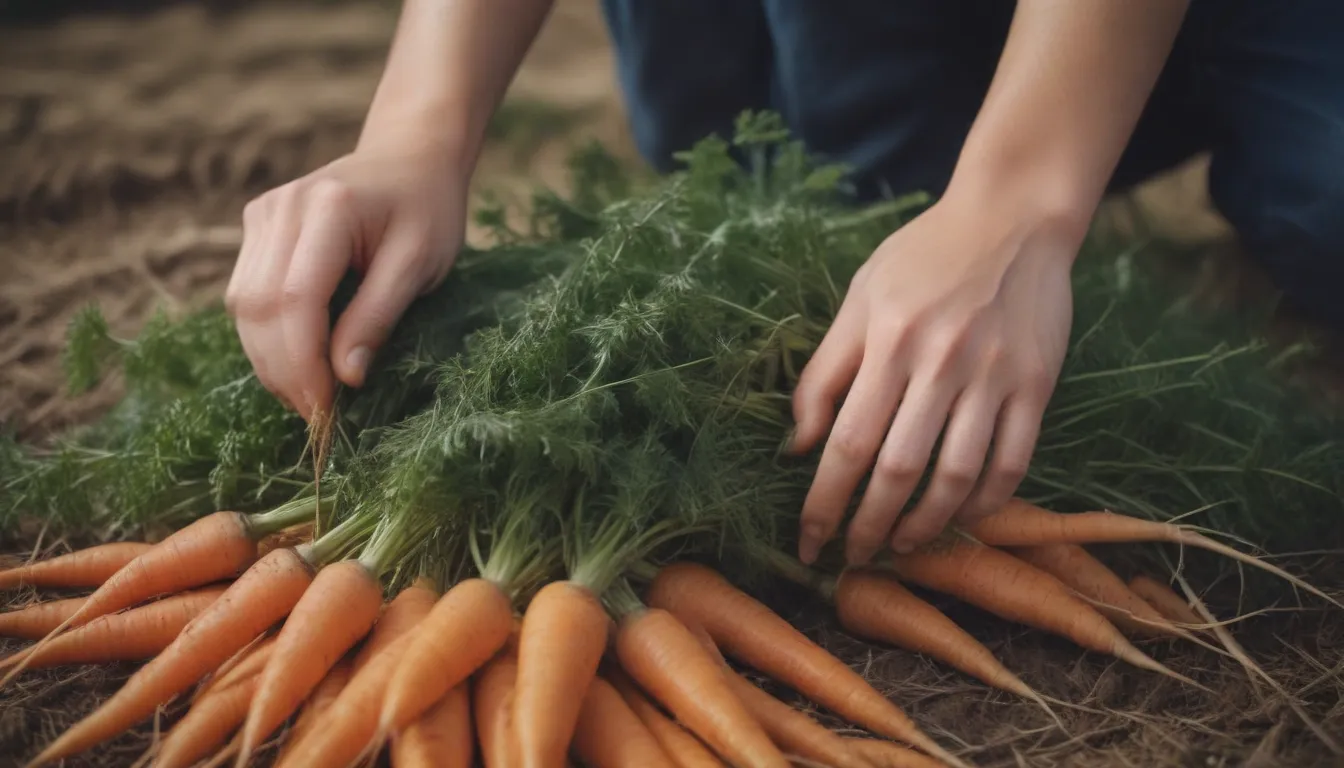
<point x="317" y="704"/>
<point x="263" y="595"/>
<point x="207" y="725"/>
<point x="215" y="547"/>
<point x="137" y="634"/>
<point x="609" y="735"/>
<point x="82" y="568"/>
<point x="350" y="725"/>
<point x="492" y="705"/>
<point x="1011" y="589"/>
<point x="466" y="627"/>
<point x="1089" y="577"/>
<point x="441" y="737"/>
<point x="877" y="607"/>
<point x="793" y="730"/>
<point x="746" y="629"/>
<point x="338" y="609"/>
<point x="244" y="664"/>
<point x="1021" y="524"/>
<point x="1164" y="600"/>
<point x="666" y="660"/>
<point x="35" y="621"/>
<point x="884" y="754"/>
<point x="408" y="608"/>
<point x="565" y="631"/>
<point x="685" y="750"/>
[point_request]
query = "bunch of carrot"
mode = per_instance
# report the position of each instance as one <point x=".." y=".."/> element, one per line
<point x="494" y="666"/>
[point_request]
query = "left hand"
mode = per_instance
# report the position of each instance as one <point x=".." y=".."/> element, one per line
<point x="959" y="319"/>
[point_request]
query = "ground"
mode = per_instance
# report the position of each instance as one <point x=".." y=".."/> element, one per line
<point x="128" y="146"/>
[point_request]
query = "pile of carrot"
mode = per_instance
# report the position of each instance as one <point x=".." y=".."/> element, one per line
<point x="320" y="651"/>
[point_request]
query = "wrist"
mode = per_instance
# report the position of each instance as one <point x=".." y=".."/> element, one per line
<point x="1043" y="200"/>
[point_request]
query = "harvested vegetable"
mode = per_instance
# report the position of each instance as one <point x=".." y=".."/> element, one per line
<point x="991" y="579"/>
<point x="36" y="621"/>
<point x="81" y="568"/>
<point x="134" y="635"/>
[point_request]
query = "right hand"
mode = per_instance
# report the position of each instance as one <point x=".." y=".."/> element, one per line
<point x="394" y="214"/>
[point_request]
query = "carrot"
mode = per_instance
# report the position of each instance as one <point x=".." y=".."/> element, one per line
<point x="207" y="725"/>
<point x="1021" y="524"/>
<point x="34" y="622"/>
<point x="1089" y="577"/>
<point x="82" y="568"/>
<point x="217" y="546"/>
<point x="564" y="635"/>
<point x="317" y="704"/>
<point x="137" y="634"/>
<point x="263" y="595"/>
<point x="884" y="754"/>
<point x="878" y="607"/>
<point x="441" y="737"/>
<point x="666" y="660"/>
<point x="350" y="724"/>
<point x="1164" y="600"/>
<point x="793" y="730"/>
<point x="609" y="735"/>
<point x="466" y="627"/>
<point x="244" y="664"/>
<point x="685" y="750"/>
<point x="338" y="609"/>
<point x="403" y="612"/>
<point x="492" y="705"/>
<point x="1011" y="589"/>
<point x="749" y="631"/>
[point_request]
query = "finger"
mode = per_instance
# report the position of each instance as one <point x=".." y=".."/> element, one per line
<point x="392" y="283"/>
<point x="850" y="450"/>
<point x="255" y="224"/>
<point x="900" y="464"/>
<point x="960" y="461"/>
<point x="1019" y="426"/>
<point x="825" y="379"/>
<point x="259" y="297"/>
<point x="323" y="251"/>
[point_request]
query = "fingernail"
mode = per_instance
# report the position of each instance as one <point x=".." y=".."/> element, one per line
<point x="809" y="544"/>
<point x="358" y="359"/>
<point x="902" y="547"/>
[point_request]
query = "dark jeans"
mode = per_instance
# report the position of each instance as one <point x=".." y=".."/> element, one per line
<point x="891" y="89"/>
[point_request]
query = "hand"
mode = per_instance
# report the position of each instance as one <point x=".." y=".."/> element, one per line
<point x="959" y="319"/>
<point x="396" y="215"/>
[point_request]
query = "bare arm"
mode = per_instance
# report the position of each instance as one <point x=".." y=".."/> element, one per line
<point x="1070" y="86"/>
<point x="393" y="209"/>
<point x="450" y="63"/>
<point x="960" y="320"/>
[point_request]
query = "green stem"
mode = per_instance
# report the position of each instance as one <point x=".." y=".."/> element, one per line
<point x="794" y="570"/>
<point x="334" y="544"/>
<point x="284" y="516"/>
<point x="621" y="600"/>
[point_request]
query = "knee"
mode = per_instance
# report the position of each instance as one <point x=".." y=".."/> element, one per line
<point x="1289" y="213"/>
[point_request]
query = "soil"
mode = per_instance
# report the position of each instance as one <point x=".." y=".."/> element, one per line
<point x="129" y="143"/>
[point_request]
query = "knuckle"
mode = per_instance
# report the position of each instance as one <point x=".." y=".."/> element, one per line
<point x="254" y="212"/>
<point x="959" y="473"/>
<point x="850" y="442"/>
<point x="1011" y="469"/>
<point x="899" y="468"/>
<point x="330" y="193"/>
<point x="294" y="295"/>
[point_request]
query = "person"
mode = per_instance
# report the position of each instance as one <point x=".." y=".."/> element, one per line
<point x="1019" y="117"/>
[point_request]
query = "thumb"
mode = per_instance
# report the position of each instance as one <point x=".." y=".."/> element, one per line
<point x="390" y="285"/>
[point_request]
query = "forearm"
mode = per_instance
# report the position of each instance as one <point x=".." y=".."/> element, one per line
<point x="450" y="64"/>
<point x="1068" y="92"/>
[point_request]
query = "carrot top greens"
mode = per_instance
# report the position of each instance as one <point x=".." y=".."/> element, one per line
<point x="618" y="373"/>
